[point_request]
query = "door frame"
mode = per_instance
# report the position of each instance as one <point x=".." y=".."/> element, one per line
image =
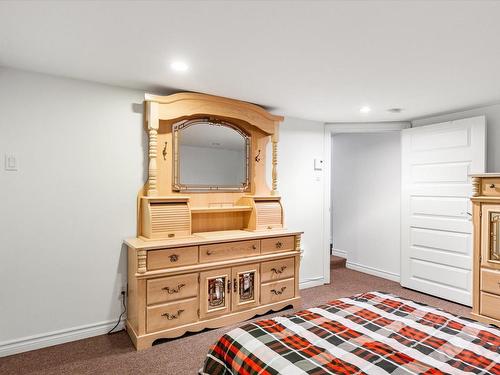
<point x="331" y="129"/>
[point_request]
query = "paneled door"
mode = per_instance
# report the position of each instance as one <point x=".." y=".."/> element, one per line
<point x="436" y="227"/>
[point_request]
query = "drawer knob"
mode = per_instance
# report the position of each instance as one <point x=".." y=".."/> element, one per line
<point x="174" y="290"/>
<point x="278" y="292"/>
<point x="209" y="252"/>
<point x="492" y="186"/>
<point x="174" y="258"/>
<point x="278" y="271"/>
<point x="254" y="247"/>
<point x="173" y="316"/>
<point x="269" y="227"/>
<point x="279" y="245"/>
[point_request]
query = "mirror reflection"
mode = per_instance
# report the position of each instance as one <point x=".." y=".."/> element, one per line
<point x="211" y="156"/>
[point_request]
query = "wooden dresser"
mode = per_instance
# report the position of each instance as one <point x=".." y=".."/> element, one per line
<point x="211" y="246"/>
<point x="486" y="219"/>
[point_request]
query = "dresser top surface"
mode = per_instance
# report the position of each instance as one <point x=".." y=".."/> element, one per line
<point x="485" y="175"/>
<point x="206" y="237"/>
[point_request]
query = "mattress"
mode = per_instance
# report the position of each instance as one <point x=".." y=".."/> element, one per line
<point x="370" y="333"/>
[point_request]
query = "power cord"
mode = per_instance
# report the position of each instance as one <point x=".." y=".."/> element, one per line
<point x="121" y="315"/>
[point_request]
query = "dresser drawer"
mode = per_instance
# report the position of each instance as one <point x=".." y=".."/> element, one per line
<point x="275" y="244"/>
<point x="172" y="314"/>
<point x="172" y="288"/>
<point x="229" y="250"/>
<point x="490" y="305"/>
<point x="490" y="186"/>
<point x="277" y="270"/>
<point x="277" y="291"/>
<point x="490" y="281"/>
<point x="165" y="258"/>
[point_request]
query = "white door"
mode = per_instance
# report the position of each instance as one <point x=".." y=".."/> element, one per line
<point x="436" y="228"/>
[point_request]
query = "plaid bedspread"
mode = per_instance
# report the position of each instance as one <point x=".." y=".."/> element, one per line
<point x="371" y="333"/>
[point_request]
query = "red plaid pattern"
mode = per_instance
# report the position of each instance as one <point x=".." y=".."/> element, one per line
<point x="369" y="333"/>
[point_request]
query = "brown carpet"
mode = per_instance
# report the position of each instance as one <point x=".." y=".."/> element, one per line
<point x="114" y="354"/>
<point x="337" y="262"/>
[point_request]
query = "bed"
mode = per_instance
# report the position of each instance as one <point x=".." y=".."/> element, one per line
<point x="370" y="333"/>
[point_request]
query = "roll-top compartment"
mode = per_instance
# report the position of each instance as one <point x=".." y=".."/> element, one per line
<point x="164" y="218"/>
<point x="268" y="214"/>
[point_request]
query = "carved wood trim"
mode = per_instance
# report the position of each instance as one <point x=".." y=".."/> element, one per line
<point x="153" y="125"/>
<point x="476" y="186"/>
<point x="297" y="242"/>
<point x="141" y="261"/>
<point x="274" y="140"/>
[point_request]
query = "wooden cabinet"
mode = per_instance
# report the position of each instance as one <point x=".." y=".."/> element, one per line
<point x="486" y="219"/>
<point x="167" y="299"/>
<point x="212" y="248"/>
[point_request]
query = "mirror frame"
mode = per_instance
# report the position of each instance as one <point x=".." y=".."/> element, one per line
<point x="178" y="186"/>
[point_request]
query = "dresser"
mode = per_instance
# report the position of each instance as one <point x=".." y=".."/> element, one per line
<point x="212" y="247"/>
<point x="486" y="267"/>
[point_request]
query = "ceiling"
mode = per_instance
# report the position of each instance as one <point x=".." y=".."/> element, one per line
<point x="314" y="60"/>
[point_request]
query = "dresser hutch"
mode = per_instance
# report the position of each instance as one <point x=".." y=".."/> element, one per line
<point x="211" y="246"/>
<point x="486" y="268"/>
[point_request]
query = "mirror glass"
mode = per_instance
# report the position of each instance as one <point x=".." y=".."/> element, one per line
<point x="210" y="156"/>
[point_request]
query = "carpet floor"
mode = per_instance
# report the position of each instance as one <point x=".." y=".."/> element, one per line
<point x="114" y="354"/>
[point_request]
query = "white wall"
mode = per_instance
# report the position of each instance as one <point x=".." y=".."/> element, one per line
<point x="302" y="188"/>
<point x="66" y="211"/>
<point x="81" y="149"/>
<point x="492" y="114"/>
<point x="366" y="194"/>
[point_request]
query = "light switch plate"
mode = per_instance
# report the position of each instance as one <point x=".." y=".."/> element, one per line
<point x="318" y="164"/>
<point x="11" y="163"/>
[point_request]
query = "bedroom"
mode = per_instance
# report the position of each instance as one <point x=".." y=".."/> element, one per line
<point x="358" y="124"/>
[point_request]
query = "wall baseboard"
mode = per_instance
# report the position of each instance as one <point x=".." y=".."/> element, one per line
<point x="373" y="271"/>
<point x="311" y="282"/>
<point x="339" y="253"/>
<point x="57" y="337"/>
<point x="26" y="344"/>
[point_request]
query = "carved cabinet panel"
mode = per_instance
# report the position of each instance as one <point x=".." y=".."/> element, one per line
<point x="215" y="292"/>
<point x="490" y="256"/>
<point x="245" y="286"/>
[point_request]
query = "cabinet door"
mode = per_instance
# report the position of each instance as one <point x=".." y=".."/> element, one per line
<point x="490" y="236"/>
<point x="246" y="286"/>
<point x="215" y="292"/>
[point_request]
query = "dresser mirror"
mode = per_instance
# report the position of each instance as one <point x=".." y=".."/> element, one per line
<point x="210" y="155"/>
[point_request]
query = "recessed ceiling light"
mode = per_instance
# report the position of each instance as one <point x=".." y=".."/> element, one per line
<point x="179" y="66"/>
<point x="395" y="110"/>
<point x="365" y="109"/>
